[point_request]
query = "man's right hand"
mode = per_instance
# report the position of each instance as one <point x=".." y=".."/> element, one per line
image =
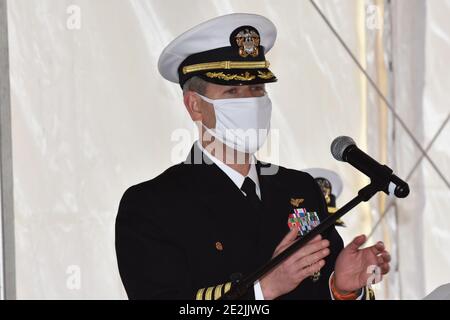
<point x="291" y="272"/>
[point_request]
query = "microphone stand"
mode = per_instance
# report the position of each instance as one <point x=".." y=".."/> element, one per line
<point x="240" y="287"/>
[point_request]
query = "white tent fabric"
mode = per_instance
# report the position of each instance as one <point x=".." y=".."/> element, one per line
<point x="91" y="116"/>
<point x="421" y="47"/>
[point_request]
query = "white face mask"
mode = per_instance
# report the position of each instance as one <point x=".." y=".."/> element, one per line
<point x="243" y="123"/>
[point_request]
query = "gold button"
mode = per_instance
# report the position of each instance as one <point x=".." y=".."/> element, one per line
<point x="219" y="246"/>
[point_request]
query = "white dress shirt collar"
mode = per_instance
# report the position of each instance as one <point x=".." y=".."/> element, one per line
<point x="236" y="177"/>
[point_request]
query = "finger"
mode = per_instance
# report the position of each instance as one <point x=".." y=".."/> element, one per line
<point x="288" y="238"/>
<point x="310" y="270"/>
<point x="377" y="248"/>
<point x="385" y="267"/>
<point x="312" y="258"/>
<point x="357" y="242"/>
<point x="308" y="249"/>
<point x="285" y="242"/>
<point x="380" y="260"/>
<point x="386" y="256"/>
<point x="315" y="239"/>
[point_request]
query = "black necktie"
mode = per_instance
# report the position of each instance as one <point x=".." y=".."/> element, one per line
<point x="249" y="188"/>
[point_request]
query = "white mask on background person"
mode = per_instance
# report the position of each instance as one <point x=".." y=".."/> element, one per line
<point x="243" y="124"/>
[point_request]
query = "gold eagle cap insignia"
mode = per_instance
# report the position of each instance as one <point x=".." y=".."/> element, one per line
<point x="248" y="42"/>
<point x="297" y="202"/>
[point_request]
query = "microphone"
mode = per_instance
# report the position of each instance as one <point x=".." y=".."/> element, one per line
<point x="344" y="149"/>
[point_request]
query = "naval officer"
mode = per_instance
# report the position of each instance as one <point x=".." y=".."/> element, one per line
<point x="203" y="224"/>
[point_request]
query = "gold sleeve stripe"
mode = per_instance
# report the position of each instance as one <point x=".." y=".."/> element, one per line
<point x="226" y="65"/>
<point x="370" y="294"/>
<point x="200" y="294"/>
<point x="218" y="292"/>
<point x="208" y="295"/>
<point x="227" y="287"/>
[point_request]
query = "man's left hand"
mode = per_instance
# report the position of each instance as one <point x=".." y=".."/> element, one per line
<point x="355" y="266"/>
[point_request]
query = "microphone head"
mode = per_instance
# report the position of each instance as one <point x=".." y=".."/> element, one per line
<point x="339" y="145"/>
